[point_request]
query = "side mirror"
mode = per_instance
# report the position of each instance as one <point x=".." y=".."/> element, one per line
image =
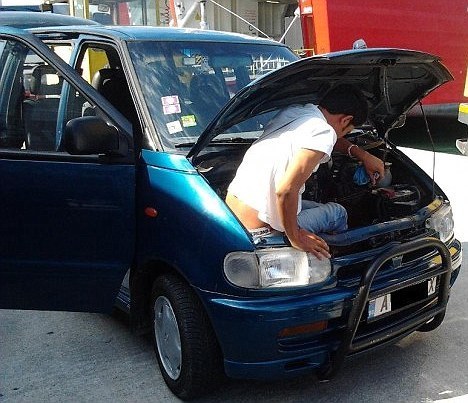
<point x="91" y="135"/>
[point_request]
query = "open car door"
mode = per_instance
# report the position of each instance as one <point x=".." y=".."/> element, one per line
<point x="67" y="184"/>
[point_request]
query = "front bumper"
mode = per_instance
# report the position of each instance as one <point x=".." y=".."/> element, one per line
<point x="251" y="330"/>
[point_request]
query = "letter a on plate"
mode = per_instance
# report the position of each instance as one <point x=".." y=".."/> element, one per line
<point x="380" y="305"/>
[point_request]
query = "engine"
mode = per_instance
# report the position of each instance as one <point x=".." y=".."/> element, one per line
<point x="398" y="194"/>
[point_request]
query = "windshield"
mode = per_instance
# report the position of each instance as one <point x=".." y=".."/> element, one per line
<point x="185" y="84"/>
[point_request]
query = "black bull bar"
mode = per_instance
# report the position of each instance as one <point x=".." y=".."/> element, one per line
<point x="436" y="313"/>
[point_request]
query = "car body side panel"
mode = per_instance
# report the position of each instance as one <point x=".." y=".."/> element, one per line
<point x="193" y="229"/>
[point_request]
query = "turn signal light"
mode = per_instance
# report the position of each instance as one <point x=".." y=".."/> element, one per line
<point x="151" y="212"/>
<point x="304" y="329"/>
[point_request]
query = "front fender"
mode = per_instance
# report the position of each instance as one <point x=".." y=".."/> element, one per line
<point x="193" y="229"/>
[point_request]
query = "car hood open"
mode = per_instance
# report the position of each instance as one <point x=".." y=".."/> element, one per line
<point x="392" y="80"/>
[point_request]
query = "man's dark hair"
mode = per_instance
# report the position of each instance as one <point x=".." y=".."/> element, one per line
<point x="347" y="99"/>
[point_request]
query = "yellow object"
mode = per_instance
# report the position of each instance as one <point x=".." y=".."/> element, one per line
<point x="463" y="113"/>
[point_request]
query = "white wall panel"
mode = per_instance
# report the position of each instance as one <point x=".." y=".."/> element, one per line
<point x="271" y="19"/>
<point x="268" y="17"/>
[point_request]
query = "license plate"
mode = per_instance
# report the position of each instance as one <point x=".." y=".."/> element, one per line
<point x="380" y="305"/>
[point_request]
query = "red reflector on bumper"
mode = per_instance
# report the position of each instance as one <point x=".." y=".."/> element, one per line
<point x="303" y="329"/>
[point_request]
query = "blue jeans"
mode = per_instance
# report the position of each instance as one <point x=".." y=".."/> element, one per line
<point x="322" y="218"/>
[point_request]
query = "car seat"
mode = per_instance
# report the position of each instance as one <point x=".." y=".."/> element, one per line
<point x="209" y="94"/>
<point x="112" y="84"/>
<point x="40" y="110"/>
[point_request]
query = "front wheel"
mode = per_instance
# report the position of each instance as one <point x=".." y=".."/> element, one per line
<point x="185" y="345"/>
<point x="434" y="323"/>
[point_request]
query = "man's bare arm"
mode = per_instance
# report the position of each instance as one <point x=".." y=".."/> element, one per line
<point x="287" y="194"/>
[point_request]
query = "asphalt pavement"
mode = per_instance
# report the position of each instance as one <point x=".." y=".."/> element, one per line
<point x="80" y="357"/>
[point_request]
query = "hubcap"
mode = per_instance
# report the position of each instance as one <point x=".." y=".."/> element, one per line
<point x="167" y="337"/>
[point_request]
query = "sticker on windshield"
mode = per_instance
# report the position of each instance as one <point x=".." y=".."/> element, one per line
<point x="189" y="61"/>
<point x="188" y="121"/>
<point x="174" y="127"/>
<point x="171" y="104"/>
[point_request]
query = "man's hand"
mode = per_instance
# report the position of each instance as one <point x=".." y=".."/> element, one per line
<point x="309" y="242"/>
<point x="374" y="167"/>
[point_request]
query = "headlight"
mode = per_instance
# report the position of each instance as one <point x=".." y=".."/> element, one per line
<point x="275" y="267"/>
<point x="442" y="222"/>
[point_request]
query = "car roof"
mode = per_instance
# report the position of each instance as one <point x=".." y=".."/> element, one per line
<point x="31" y="19"/>
<point x="129" y="33"/>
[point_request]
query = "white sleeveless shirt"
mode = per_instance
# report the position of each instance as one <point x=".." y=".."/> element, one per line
<point x="266" y="161"/>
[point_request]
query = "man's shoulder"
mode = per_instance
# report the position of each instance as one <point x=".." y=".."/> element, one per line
<point x="302" y="109"/>
<point x="297" y="114"/>
<point x="296" y="118"/>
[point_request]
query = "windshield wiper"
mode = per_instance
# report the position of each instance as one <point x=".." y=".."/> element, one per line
<point x="234" y="140"/>
<point x="180" y="145"/>
<point x="219" y="141"/>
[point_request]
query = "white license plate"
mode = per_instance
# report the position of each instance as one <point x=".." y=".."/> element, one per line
<point x="380" y="305"/>
<point x="383" y="304"/>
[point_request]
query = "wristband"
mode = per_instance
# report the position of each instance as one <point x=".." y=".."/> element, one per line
<point x="349" y="150"/>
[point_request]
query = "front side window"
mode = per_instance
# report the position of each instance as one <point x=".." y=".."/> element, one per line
<point x="185" y="84"/>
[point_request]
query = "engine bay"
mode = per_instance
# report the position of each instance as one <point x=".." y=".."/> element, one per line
<point x="367" y="204"/>
<point x="400" y="193"/>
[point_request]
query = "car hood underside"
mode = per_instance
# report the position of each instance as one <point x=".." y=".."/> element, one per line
<point x="393" y="81"/>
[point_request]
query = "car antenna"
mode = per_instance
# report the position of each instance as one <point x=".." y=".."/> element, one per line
<point x="432" y="145"/>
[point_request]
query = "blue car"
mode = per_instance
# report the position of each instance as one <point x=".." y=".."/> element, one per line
<point x="117" y="145"/>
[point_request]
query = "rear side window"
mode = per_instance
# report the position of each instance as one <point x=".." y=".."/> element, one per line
<point x="35" y="101"/>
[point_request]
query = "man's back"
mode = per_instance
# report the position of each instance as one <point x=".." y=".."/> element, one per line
<point x="264" y="164"/>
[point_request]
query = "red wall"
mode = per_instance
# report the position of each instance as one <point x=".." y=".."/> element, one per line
<point x="439" y="27"/>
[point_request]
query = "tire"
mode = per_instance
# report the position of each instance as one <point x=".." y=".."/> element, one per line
<point x="187" y="351"/>
<point x="433" y="323"/>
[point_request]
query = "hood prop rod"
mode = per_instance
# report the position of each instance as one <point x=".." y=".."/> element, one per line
<point x="428" y="131"/>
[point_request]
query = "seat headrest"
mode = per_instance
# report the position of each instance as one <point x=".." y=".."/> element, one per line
<point x="105" y="74"/>
<point x="45" y="80"/>
<point x="210" y="87"/>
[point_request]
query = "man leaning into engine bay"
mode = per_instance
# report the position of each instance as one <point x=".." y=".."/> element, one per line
<point x="266" y="192"/>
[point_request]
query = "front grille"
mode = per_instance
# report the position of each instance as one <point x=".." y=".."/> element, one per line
<point x="418" y="255"/>
<point x="402" y="299"/>
<point x="351" y="274"/>
<point x="377" y="241"/>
